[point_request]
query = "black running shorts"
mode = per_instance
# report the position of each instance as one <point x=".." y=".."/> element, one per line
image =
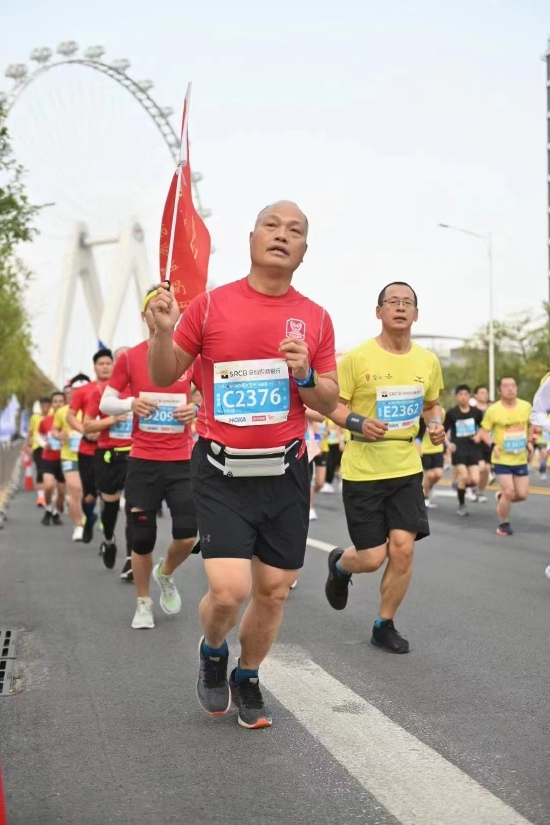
<point x="148" y="483"/>
<point x="432" y="461"/>
<point x="110" y="470"/>
<point x="468" y="454"/>
<point x="86" y="469"/>
<point x="486" y="452"/>
<point x="244" y="517"/>
<point x="37" y="458"/>
<point x="53" y="468"/>
<point x="373" y="508"/>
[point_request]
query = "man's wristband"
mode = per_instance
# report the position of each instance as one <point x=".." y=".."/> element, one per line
<point x="354" y="423"/>
<point x="309" y="382"/>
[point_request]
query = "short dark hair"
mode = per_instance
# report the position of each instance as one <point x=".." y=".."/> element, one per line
<point x="57" y="392"/>
<point x="504" y="378"/>
<point x="102" y="353"/>
<point x="481" y="387"/>
<point x="463" y="387"/>
<point x="45" y="399"/>
<point x="382" y="296"/>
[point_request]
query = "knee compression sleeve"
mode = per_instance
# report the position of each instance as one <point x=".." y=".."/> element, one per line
<point x="145" y="531"/>
<point x="181" y="529"/>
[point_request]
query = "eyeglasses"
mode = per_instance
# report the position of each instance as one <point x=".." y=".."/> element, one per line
<point x="396" y="302"/>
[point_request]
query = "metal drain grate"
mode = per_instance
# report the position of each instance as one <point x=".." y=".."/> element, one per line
<point x="6" y="675"/>
<point x="8" y="639"/>
<point x="7" y="643"/>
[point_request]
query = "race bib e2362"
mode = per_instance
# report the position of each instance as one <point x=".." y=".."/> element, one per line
<point x="162" y="420"/>
<point x="515" y="439"/>
<point x="399" y="407"/>
<point x="122" y="429"/>
<point x="251" y="393"/>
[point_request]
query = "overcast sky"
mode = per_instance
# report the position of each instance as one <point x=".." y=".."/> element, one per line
<point x="380" y="119"/>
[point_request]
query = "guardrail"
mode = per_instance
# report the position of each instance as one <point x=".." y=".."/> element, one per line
<point x="10" y="474"/>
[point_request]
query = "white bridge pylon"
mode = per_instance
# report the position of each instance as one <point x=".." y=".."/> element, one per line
<point x="130" y="264"/>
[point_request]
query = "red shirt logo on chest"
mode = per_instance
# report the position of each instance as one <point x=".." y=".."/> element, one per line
<point x="295" y="329"/>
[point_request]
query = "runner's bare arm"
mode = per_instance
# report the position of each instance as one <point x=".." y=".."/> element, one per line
<point x="433" y="418"/>
<point x="73" y="421"/>
<point x="167" y="361"/>
<point x="311" y="415"/>
<point x="371" y="428"/>
<point x="324" y="395"/>
<point x="485" y="436"/>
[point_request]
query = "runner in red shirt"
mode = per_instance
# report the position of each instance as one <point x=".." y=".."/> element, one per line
<point x="111" y="459"/>
<point x="103" y="367"/>
<point x="158" y="467"/>
<point x="51" y="464"/>
<point x="267" y="352"/>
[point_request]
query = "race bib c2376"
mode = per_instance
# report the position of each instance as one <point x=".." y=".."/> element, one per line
<point x="400" y="407"/>
<point x="251" y="393"/>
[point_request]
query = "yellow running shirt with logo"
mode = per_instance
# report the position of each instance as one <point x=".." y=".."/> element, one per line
<point x="34" y="423"/>
<point x="391" y="388"/>
<point x="510" y="428"/>
<point x="73" y="437"/>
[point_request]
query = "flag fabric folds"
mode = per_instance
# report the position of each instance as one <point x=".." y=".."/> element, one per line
<point x="184" y="239"/>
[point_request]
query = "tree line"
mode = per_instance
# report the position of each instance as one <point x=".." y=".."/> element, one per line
<point x="19" y="374"/>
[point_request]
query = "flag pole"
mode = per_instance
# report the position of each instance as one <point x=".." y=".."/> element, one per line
<point x="182" y="161"/>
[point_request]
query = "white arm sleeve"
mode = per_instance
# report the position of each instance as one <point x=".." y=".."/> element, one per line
<point x="111" y="404"/>
<point x="541" y="407"/>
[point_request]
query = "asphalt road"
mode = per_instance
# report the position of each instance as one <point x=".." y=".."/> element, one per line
<point x="103" y="725"/>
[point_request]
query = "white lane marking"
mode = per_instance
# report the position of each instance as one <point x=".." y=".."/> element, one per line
<point x="414" y="783"/>
<point x="320" y="545"/>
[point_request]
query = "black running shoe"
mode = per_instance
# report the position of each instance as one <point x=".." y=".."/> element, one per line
<point x="88" y="533"/>
<point x="336" y="588"/>
<point x="56" y="519"/>
<point x="127" y="573"/>
<point x="212" y="688"/>
<point x="248" y="698"/>
<point x="46" y="519"/>
<point x="389" y="638"/>
<point x="108" y="554"/>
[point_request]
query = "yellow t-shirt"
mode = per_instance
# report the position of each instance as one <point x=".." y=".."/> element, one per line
<point x="427" y="447"/>
<point x="510" y="428"/>
<point x="69" y="447"/>
<point x="34" y="424"/>
<point x="391" y="388"/>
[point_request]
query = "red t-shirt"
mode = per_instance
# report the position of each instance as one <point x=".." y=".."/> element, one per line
<point x="234" y="323"/>
<point x="44" y="428"/>
<point x="119" y="435"/>
<point x="158" y="438"/>
<point x="78" y="404"/>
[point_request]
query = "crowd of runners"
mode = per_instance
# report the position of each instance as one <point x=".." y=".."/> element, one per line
<point x="236" y="427"/>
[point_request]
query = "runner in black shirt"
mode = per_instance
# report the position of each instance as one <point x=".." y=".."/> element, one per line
<point x="462" y="423"/>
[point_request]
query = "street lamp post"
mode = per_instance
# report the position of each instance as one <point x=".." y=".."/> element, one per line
<point x="488" y="238"/>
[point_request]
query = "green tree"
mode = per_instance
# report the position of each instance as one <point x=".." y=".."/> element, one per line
<point x="16" y="226"/>
<point x="522" y="350"/>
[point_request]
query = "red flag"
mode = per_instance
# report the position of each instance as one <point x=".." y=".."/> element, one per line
<point x="184" y="239"/>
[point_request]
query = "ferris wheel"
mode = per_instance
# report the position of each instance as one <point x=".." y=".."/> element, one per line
<point x="99" y="150"/>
